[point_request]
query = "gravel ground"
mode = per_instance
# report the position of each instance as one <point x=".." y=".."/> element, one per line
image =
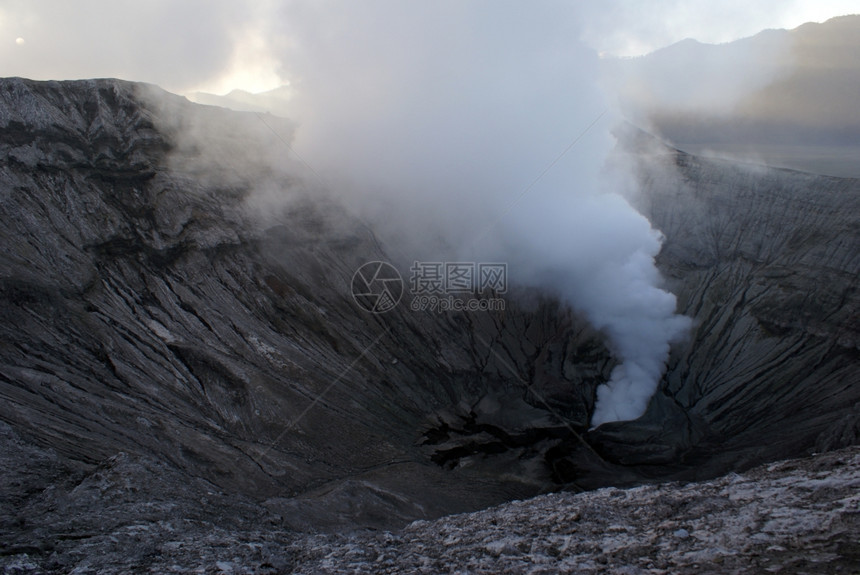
<point x="797" y="516"/>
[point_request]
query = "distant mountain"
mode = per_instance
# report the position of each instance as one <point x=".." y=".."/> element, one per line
<point x="273" y="101"/>
<point x="783" y="97"/>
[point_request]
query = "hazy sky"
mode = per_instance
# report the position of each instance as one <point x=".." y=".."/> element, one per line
<point x="218" y="45"/>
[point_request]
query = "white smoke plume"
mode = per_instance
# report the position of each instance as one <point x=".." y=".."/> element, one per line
<point x="449" y="121"/>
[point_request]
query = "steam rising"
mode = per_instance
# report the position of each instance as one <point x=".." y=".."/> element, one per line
<point x="464" y="138"/>
<point x="435" y="124"/>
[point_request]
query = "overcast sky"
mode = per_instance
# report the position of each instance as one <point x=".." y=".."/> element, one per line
<point x="219" y="45"/>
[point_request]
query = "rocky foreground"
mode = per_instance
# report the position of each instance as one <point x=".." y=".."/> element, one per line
<point x="800" y="516"/>
<point x="797" y="516"/>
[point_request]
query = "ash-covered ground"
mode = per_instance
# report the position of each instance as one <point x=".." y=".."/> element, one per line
<point x="796" y="516"/>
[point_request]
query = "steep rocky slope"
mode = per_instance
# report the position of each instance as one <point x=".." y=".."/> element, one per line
<point x="158" y="300"/>
<point x="767" y="263"/>
<point x="172" y="291"/>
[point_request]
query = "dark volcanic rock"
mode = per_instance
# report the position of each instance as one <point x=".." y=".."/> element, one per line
<point x="729" y="525"/>
<point x="180" y="351"/>
<point x="158" y="301"/>
<point x="767" y="262"/>
<point x="797" y="516"/>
